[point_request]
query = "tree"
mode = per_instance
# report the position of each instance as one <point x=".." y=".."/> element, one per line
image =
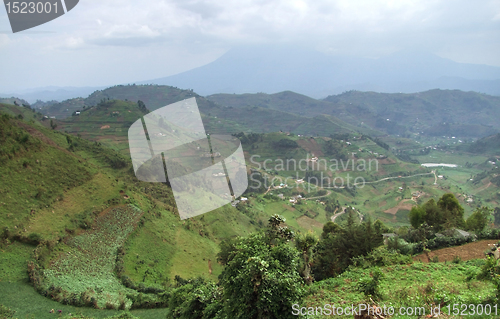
<point x="479" y="219"/>
<point x="286" y="143"/>
<point x="417" y="216"/>
<point x="53" y="124"/>
<point x="380" y="227"/>
<point x="433" y="215"/>
<point x="496" y="216"/>
<point x="453" y="212"/>
<point x="142" y="107"/>
<point x="330" y="228"/>
<point x="335" y="252"/>
<point x="305" y="243"/>
<point x="276" y="232"/>
<point x="163" y="125"/>
<point x="261" y="278"/>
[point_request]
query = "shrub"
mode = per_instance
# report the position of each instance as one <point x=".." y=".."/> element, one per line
<point x="370" y="286"/>
<point x="6" y="312"/>
<point x="489" y="269"/>
<point x="380" y="257"/>
<point x="35" y="237"/>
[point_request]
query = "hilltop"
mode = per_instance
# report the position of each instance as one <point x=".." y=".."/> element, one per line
<point x="434" y="113"/>
<point x="218" y="119"/>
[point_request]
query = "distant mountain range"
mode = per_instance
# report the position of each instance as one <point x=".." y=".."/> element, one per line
<point x="271" y="70"/>
<point x="429" y="113"/>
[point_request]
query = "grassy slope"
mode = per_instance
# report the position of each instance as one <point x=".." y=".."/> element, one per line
<point x="36" y="172"/>
<point x="107" y="123"/>
<point x="413" y="285"/>
<point x="11" y="100"/>
<point x="81" y="182"/>
<point x="65" y="108"/>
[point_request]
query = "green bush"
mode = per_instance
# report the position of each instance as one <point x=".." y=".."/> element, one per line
<point x="6" y="313"/>
<point x="456" y="260"/>
<point x="380" y="257"/>
<point x="35" y="237"/>
<point x="195" y="299"/>
<point x="370" y="286"/>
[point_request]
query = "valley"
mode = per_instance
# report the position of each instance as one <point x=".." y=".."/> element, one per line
<point x="92" y="236"/>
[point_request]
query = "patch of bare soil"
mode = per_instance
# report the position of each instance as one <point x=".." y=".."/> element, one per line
<point x="386" y="161"/>
<point x="308" y="223"/>
<point x="311" y="146"/>
<point x="36" y="133"/>
<point x="468" y="251"/>
<point x="402" y="205"/>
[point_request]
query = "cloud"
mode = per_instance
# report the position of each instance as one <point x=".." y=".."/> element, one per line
<point x="191" y="32"/>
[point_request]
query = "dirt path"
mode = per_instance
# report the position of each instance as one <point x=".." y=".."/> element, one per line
<point x="384" y="179"/>
<point x="343" y="212"/>
<point x="338" y="214"/>
<point x="316" y="197"/>
<point x="482" y="188"/>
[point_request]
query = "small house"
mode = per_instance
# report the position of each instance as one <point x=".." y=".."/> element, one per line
<point x="461" y="233"/>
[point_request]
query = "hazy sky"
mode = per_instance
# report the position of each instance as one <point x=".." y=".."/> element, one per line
<point x="107" y="42"/>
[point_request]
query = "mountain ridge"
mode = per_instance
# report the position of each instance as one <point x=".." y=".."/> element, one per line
<point x="254" y="69"/>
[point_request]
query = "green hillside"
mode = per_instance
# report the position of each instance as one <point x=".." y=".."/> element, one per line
<point x="431" y="113"/>
<point x="287" y="101"/>
<point x="154" y="96"/>
<point x="13" y="100"/>
<point x="486" y="145"/>
<point x="106" y="122"/>
<point x="217" y="118"/>
<point x="61" y="192"/>
<point x="61" y="110"/>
